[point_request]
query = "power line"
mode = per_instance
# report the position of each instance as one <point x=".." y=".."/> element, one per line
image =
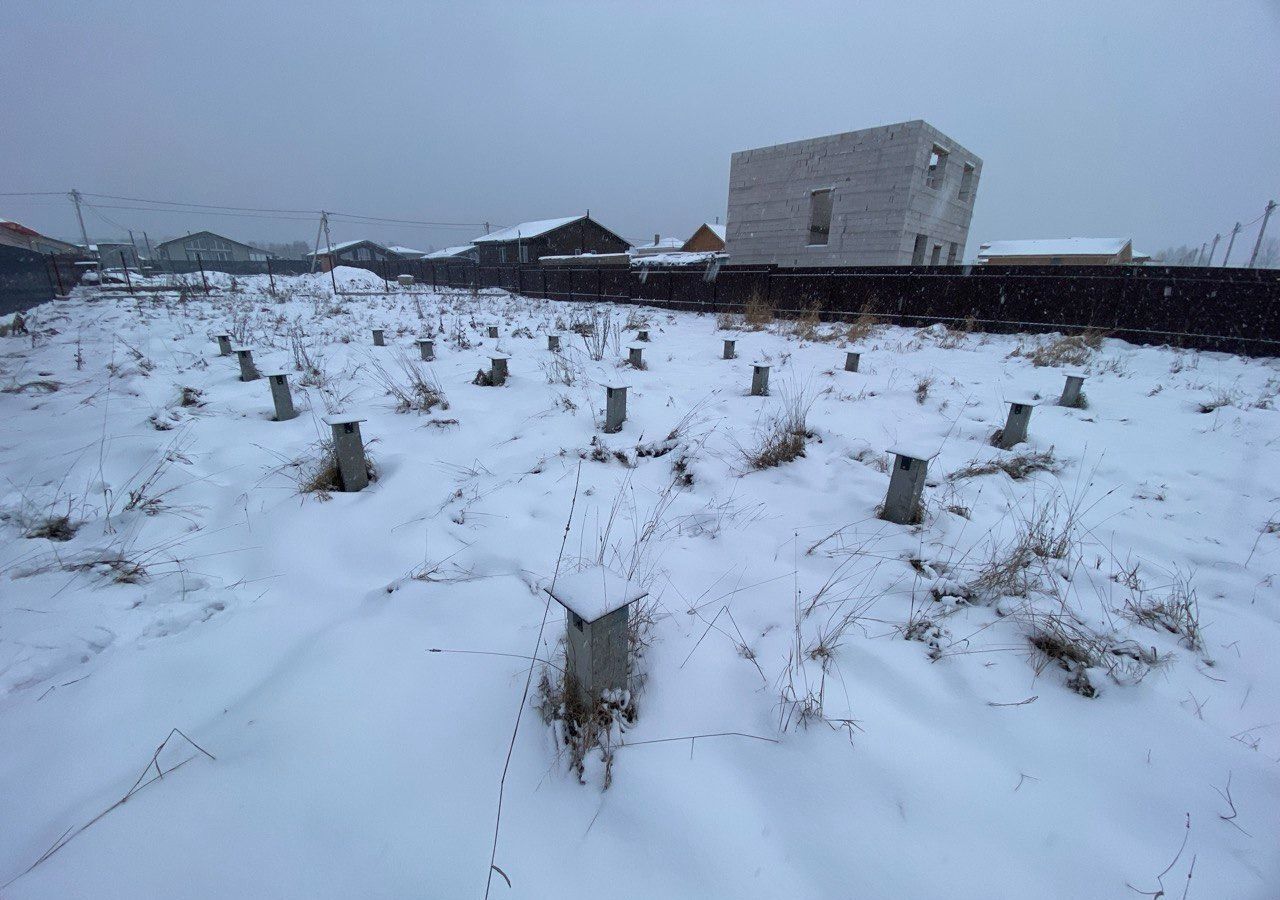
<point x="148" y="209"/>
<point x="261" y="209"/>
<point x="309" y="212"/>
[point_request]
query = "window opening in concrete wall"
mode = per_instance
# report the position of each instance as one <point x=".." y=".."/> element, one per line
<point x="966" y="182"/>
<point x="937" y="166"/>
<point x="819" y="217"/>
<point x="953" y="253"/>
<point x="935" y="257"/>
<point x="917" y="253"/>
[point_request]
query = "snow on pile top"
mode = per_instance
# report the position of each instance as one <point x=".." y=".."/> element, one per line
<point x="595" y="592"/>
<point x="1023" y="400"/>
<point x="526" y="230"/>
<point x="450" y="251"/>
<point x="344" y="419"/>
<point x="1075" y="246"/>
<point x="914" y="452"/>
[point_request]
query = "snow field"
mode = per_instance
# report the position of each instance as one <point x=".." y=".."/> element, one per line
<point x="865" y="688"/>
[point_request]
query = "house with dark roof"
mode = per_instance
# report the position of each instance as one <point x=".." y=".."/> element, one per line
<point x="209" y="247"/>
<point x="352" y="253"/>
<point x="528" y="242"/>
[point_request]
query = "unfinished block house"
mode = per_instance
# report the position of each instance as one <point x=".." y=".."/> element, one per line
<point x="896" y="195"/>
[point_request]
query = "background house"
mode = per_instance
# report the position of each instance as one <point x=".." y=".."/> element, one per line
<point x="464" y="253"/>
<point x="114" y="255"/>
<point x="209" y="247"/>
<point x="530" y="241"/>
<point x="357" y="253"/>
<point x="407" y="252"/>
<point x="894" y="195"/>
<point x="1058" y="252"/>
<point x="659" y="245"/>
<point x="707" y="238"/>
<point x="13" y="234"/>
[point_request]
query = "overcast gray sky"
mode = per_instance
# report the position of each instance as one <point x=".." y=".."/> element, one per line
<point x="1156" y="120"/>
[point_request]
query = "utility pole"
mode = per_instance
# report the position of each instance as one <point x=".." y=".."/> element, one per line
<point x="1213" y="249"/>
<point x="137" y="257"/>
<point x="1271" y="204"/>
<point x="328" y="246"/>
<point x="1230" y="243"/>
<point x="75" y="198"/>
<point x="324" y="224"/>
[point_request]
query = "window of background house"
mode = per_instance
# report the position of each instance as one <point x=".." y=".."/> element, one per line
<point x="966" y="182"/>
<point x="937" y="166"/>
<point x="819" y="217"/>
<point x="524" y="253"/>
<point x="917" y="252"/>
<point x="502" y="254"/>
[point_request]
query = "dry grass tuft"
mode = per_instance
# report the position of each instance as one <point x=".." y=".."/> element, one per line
<point x="1177" y="612"/>
<point x="414" y="389"/>
<point x="759" y="312"/>
<point x="1074" y="350"/>
<point x="783" y="438"/>
<point x="1017" y="466"/>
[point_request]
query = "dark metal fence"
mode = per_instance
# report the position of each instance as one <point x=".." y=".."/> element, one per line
<point x="1235" y="310"/>
<point x="28" y="278"/>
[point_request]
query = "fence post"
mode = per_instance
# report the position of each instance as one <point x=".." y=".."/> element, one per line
<point x="386" y="285"/>
<point x="56" y="274"/>
<point x="203" y="280"/>
<point x="544" y="284"/>
<point x="124" y="265"/>
<point x="599" y="289"/>
<point x="270" y="276"/>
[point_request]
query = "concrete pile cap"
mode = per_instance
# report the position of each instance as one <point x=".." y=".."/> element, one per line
<point x="273" y="374"/>
<point x="425" y="340"/>
<point x="241" y="349"/>
<point x="499" y="355"/>
<point x="343" y="420"/>
<point x="913" y="452"/>
<point x="636" y="346"/>
<point x="617" y="385"/>
<point x="1023" y="401"/>
<point x="762" y="365"/>
<point x="595" y="592"/>
<point x="1080" y="375"/>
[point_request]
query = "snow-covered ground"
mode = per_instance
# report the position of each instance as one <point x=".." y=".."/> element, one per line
<point x="886" y="710"/>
